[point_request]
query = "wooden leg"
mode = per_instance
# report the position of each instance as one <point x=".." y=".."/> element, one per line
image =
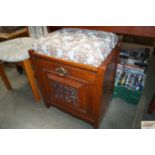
<point x="4" y="77"/>
<point x="152" y="105"/>
<point x="30" y="75"/>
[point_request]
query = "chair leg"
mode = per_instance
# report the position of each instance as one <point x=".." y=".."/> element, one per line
<point x="30" y="75"/>
<point x="4" y="77"/>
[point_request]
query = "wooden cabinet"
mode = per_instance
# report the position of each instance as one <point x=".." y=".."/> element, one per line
<point x="80" y="90"/>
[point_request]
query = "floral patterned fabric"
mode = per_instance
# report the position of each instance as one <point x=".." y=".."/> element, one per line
<point x="15" y="50"/>
<point x="82" y="46"/>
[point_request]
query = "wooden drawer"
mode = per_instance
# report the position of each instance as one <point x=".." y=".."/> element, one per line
<point x="72" y="72"/>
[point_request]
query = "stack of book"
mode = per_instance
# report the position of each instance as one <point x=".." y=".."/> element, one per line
<point x="130" y="74"/>
<point x="130" y="77"/>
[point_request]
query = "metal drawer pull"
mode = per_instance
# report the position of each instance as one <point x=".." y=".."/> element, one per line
<point x="61" y="71"/>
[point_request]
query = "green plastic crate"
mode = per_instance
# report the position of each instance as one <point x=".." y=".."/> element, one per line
<point x="131" y="96"/>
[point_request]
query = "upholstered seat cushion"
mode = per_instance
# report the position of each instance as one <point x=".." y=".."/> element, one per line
<point x="15" y="50"/>
<point x="82" y="46"/>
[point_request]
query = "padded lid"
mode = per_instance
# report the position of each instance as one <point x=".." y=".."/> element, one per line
<point x="78" y="45"/>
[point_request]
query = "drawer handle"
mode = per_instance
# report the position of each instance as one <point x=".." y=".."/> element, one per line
<point x="61" y="71"/>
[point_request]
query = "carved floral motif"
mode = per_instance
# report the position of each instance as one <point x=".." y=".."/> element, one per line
<point x="65" y="93"/>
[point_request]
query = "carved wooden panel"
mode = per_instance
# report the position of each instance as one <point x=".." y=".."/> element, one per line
<point x="65" y="93"/>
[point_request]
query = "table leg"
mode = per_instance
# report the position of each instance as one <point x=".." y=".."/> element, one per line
<point x="30" y="75"/>
<point x="4" y="77"/>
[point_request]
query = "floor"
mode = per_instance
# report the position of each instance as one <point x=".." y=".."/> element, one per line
<point x="18" y="110"/>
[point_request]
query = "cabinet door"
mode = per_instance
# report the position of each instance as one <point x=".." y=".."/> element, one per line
<point x="66" y="92"/>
